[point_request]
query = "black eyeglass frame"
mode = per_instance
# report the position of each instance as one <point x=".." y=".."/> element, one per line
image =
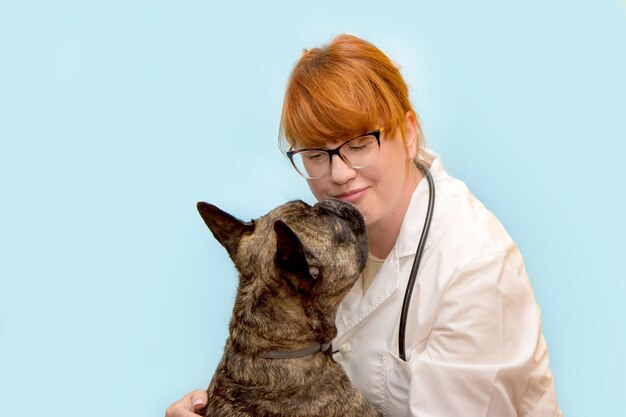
<point x="334" y="151"/>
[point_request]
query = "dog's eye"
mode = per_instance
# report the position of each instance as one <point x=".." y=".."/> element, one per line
<point x="314" y="271"/>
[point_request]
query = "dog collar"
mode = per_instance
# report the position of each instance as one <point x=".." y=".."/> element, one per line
<point x="300" y="353"/>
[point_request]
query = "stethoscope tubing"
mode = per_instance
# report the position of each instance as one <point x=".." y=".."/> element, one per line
<point x="418" y="258"/>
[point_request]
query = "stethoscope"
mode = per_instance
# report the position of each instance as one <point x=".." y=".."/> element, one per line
<point x="418" y="257"/>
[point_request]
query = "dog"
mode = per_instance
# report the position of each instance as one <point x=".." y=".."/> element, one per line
<point x="295" y="266"/>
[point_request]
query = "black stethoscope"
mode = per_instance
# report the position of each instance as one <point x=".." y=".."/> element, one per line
<point x="418" y="257"/>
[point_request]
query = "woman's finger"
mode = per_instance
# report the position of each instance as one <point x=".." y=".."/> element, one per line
<point x="188" y="405"/>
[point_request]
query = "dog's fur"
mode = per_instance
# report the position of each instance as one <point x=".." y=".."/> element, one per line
<point x="295" y="265"/>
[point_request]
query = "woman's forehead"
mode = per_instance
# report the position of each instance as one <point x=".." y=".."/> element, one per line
<point x="324" y="144"/>
<point x="338" y="137"/>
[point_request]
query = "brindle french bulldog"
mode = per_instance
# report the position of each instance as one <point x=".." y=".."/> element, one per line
<point x="295" y="265"/>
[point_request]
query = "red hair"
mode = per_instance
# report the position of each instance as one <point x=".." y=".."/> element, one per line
<point x="341" y="90"/>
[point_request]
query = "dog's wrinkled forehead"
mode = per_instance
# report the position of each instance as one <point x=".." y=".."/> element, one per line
<point x="291" y="210"/>
<point x="302" y="218"/>
<point x="327" y="217"/>
<point x="330" y="223"/>
<point x="292" y="213"/>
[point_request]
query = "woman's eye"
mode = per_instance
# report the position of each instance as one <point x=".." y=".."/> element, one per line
<point x="358" y="146"/>
<point x="314" y="157"/>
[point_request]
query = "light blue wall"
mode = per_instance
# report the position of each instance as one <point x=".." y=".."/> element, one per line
<point x="116" y="117"/>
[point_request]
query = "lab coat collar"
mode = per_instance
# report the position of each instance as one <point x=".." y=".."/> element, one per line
<point x="356" y="306"/>
<point x="413" y="222"/>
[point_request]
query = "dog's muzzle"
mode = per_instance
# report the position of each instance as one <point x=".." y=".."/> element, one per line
<point x="345" y="211"/>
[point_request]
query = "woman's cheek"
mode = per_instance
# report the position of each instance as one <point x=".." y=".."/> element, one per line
<point x="318" y="194"/>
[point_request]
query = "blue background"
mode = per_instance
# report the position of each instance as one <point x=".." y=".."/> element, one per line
<point x="117" y="117"/>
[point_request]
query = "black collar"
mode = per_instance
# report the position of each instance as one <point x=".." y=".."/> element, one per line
<point x="300" y="353"/>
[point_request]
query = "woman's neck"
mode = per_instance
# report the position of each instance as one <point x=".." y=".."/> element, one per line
<point x="383" y="234"/>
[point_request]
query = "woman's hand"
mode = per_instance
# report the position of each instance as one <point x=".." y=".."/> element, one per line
<point x="189" y="405"/>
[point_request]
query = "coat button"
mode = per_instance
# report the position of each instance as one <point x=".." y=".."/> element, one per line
<point x="344" y="347"/>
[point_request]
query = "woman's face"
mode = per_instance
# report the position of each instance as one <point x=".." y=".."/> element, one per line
<point x="378" y="191"/>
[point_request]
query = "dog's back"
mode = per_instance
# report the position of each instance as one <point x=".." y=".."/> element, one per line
<point x="295" y="265"/>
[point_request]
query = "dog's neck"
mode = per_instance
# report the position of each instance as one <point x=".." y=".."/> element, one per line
<point x="312" y="349"/>
<point x="279" y="322"/>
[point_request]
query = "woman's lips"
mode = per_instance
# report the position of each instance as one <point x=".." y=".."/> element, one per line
<point x="351" y="196"/>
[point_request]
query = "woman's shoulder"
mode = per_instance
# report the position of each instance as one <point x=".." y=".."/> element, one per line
<point x="466" y="228"/>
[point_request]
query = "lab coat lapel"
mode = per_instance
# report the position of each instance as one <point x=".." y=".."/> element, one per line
<point x="355" y="307"/>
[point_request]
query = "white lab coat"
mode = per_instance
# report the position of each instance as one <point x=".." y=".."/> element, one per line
<point x="474" y="342"/>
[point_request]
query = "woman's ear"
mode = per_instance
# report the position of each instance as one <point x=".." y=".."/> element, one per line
<point x="413" y="133"/>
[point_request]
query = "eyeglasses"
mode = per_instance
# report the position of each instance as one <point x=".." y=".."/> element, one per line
<point x="357" y="153"/>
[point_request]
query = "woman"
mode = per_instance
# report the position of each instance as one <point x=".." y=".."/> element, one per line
<point x="474" y="345"/>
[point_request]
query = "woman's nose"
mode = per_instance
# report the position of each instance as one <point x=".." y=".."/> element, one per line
<point x="340" y="171"/>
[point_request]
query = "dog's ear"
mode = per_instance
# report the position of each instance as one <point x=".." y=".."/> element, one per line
<point x="290" y="259"/>
<point x="227" y="229"/>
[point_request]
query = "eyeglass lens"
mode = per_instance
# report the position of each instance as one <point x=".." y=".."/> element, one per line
<point x="357" y="153"/>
